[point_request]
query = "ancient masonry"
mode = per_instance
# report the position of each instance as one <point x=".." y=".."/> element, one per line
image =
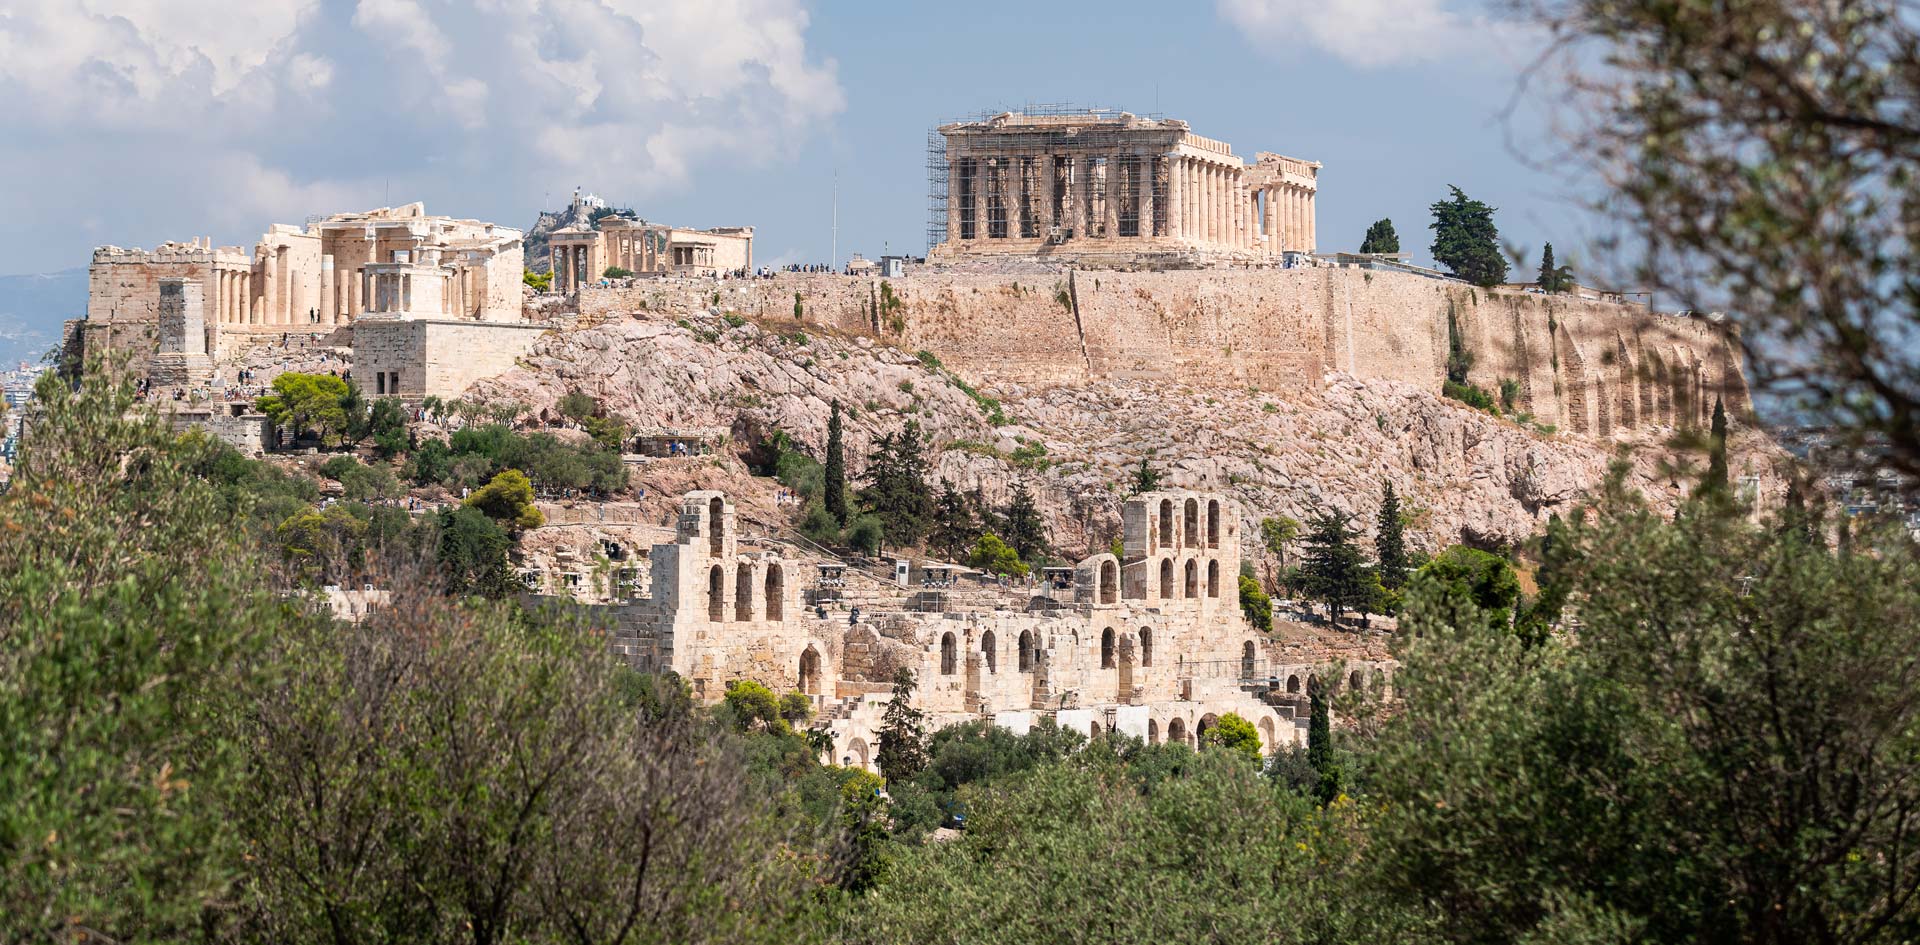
<point x="1092" y="185"/>
<point x="1151" y="643"/>
<point x="432" y="303"/>
<point x="583" y="254"/>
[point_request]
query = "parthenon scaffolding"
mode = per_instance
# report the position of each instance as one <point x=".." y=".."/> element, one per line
<point x="1060" y="181"/>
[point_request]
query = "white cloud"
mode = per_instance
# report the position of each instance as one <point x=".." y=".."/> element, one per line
<point x="205" y="110"/>
<point x="1370" y="33"/>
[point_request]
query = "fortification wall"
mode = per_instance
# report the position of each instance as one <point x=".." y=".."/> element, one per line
<point x="1590" y="367"/>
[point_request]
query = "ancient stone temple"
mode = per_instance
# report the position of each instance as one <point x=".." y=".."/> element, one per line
<point x="312" y="277"/>
<point x="581" y="254"/>
<point x="1099" y="185"/>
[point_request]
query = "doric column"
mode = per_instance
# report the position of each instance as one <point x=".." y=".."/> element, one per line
<point x="1216" y="207"/>
<point x="1151" y="164"/>
<point x="1176" y="226"/>
<point x="1313" y="225"/>
<point x="1114" y="195"/>
<point x="270" y="290"/>
<point x="953" y="203"/>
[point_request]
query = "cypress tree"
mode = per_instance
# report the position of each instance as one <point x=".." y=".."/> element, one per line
<point x="1389" y="544"/>
<point x="1333" y="570"/>
<point x="1320" y="743"/>
<point x="1146" y="478"/>
<point x="902" y="750"/>
<point x="1024" y="530"/>
<point x="897" y="485"/>
<point x="1716" y="480"/>
<point x="955" y="528"/>
<point x="1549" y="277"/>
<point x="836" y="474"/>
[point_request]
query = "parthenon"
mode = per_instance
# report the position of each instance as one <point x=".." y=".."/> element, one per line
<point x="1091" y="183"/>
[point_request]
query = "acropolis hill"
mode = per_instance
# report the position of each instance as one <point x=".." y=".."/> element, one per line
<point x="1098" y="293"/>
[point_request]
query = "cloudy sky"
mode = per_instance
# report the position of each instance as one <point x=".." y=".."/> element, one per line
<point x="134" y="121"/>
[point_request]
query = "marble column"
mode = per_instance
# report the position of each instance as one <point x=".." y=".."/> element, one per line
<point x="1313" y="226"/>
<point x="1115" y="194"/>
<point x="270" y="288"/>
<point x="328" y="315"/>
<point x="1175" y="225"/>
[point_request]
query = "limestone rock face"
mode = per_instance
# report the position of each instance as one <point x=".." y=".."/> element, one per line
<point x="1463" y="475"/>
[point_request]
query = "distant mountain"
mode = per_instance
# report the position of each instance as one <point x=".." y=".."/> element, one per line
<point x="32" y="308"/>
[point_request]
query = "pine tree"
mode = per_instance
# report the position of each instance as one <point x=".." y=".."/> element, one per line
<point x="835" y="480"/>
<point x="1466" y="241"/>
<point x="1333" y="570"/>
<point x="955" y="528"/>
<point x="1716" y="480"/>
<point x="897" y="490"/>
<point x="902" y="751"/>
<point x="1381" y="238"/>
<point x="1023" y="529"/>
<point x="1320" y="743"/>
<point x="1389" y="543"/>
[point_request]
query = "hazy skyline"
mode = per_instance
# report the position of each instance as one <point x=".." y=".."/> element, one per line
<point x="137" y="121"/>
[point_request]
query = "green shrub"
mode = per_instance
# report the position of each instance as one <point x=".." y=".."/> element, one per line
<point x="994" y="556"/>
<point x="1470" y="395"/>
<point x="865" y="534"/>
<point x="616" y="272"/>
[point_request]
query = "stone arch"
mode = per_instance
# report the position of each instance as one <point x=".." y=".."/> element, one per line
<point x="1026" y="651"/>
<point x="1213" y="579"/>
<point x="1109" y="581"/>
<point x="1213" y="523"/>
<point x="1166" y="578"/>
<point x="776" y="592"/>
<point x="1248" y="658"/>
<point x="949" y="654"/>
<point x="1176" y="731"/>
<point x="1106" y="649"/>
<point x="717" y="594"/>
<point x="810" y="675"/>
<point x="1190" y="524"/>
<point x="1153" y="732"/>
<point x="1146" y="646"/>
<point x="1207" y="722"/>
<point x="1293" y="682"/>
<point x="1356" y="682"/>
<point x="716" y="525"/>
<point x="1191" y="587"/>
<point x="987" y="654"/>
<point x="857" y="751"/>
<point x="743" y="592"/>
<point x="1093" y="729"/>
<point x="1166" y="523"/>
<point x="1266" y="734"/>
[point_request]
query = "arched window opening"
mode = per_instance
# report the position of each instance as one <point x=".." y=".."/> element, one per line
<point x="1026" y="651"/>
<point x="776" y="592"/>
<point x="1354" y="681"/>
<point x="743" y="593"/>
<point x="1213" y="579"/>
<point x="1106" y="648"/>
<point x="949" y="655"/>
<point x="1246" y="660"/>
<point x="1176" y="731"/>
<point x="1293" y="684"/>
<point x="810" y="672"/>
<point x="857" y="752"/>
<point x="1190" y="525"/>
<point x="1193" y="578"/>
<point x="1166" y="578"/>
<point x="1213" y="523"/>
<point x="1093" y="728"/>
<point x="986" y="652"/>
<point x="1206" y="722"/>
<point x="716" y="595"/>
<point x="716" y="524"/>
<point x="1153" y="732"/>
<point x="1146" y="646"/>
<point x="1266" y="735"/>
<point x="1109" y="583"/>
<point x="1166" y="523"/>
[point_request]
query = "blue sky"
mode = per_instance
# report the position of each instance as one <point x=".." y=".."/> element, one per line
<point x="134" y="121"/>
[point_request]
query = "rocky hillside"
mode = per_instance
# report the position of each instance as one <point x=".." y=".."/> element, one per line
<point x="1463" y="475"/>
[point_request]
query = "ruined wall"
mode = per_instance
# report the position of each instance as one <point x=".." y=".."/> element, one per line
<point x="1590" y="367"/>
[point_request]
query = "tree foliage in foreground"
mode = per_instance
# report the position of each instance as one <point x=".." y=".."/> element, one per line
<point x="1729" y="752"/>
